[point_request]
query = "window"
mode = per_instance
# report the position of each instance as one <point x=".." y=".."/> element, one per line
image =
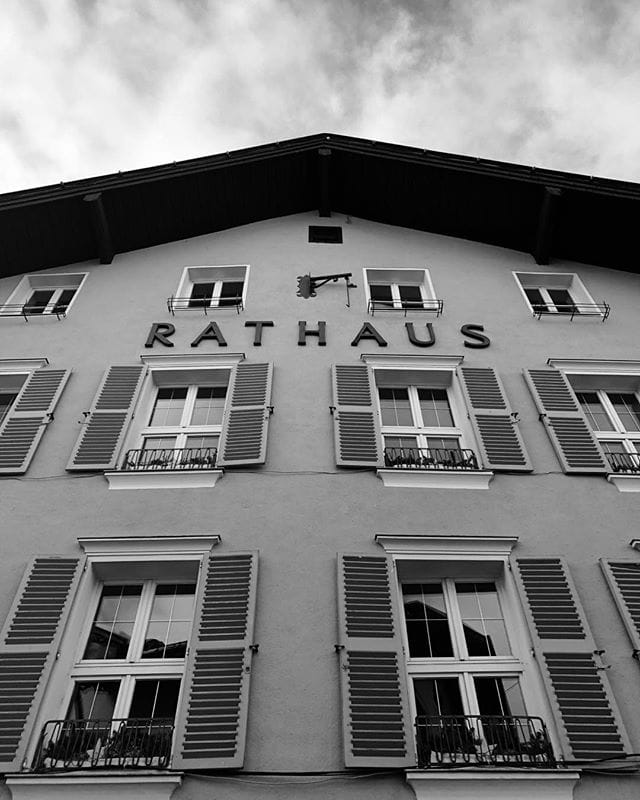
<point x="211" y="288"/>
<point x="43" y="295"/>
<point x="7" y="399"/>
<point x="325" y="234"/>
<point x="558" y="293"/>
<point x="400" y="290"/>
<point x="615" y="419"/>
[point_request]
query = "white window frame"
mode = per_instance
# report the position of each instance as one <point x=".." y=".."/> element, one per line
<point x="444" y="367"/>
<point x="602" y="376"/>
<point x="56" y="281"/>
<point x="543" y="281"/>
<point x="190" y="277"/>
<point x="14" y="372"/>
<point x="170" y="558"/>
<point x="393" y="277"/>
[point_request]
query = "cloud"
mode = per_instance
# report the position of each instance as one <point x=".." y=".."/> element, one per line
<point x="95" y="86"/>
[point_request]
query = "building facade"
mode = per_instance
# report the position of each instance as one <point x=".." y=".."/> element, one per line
<point x="316" y="483"/>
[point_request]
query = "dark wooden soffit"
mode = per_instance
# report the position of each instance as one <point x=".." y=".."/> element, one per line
<point x="552" y="215"/>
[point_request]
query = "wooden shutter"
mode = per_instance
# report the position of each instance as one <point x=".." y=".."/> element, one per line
<point x="496" y="430"/>
<point x="356" y="427"/>
<point x="246" y="422"/>
<point x="24" y="425"/>
<point x="212" y="719"/>
<point x="28" y="648"/>
<point x="570" y="434"/>
<point x="98" y="445"/>
<point x="376" y="722"/>
<point x="623" y="579"/>
<point x="589" y="722"/>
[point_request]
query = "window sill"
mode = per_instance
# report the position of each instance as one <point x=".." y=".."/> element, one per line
<point x="143" y="784"/>
<point x="163" y="479"/>
<point x="625" y="482"/>
<point x="436" y="478"/>
<point x="492" y="783"/>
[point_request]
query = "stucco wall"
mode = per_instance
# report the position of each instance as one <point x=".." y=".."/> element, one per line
<point x="298" y="509"/>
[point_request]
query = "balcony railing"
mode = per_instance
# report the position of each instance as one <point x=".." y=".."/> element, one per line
<point x="429" y="458"/>
<point x="203" y="304"/>
<point x="104" y="743"/>
<point x="27" y="310"/>
<point x="572" y="309"/>
<point x="167" y="459"/>
<point x="434" y="306"/>
<point x="491" y="740"/>
<point x="624" y="462"/>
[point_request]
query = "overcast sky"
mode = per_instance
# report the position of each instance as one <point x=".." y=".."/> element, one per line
<point x="96" y="86"/>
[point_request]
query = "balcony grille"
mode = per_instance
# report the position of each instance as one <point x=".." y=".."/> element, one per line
<point x="490" y="740"/>
<point x="104" y="743"/>
<point x="572" y="309"/>
<point x="203" y="304"/>
<point x="624" y="462"/>
<point x="433" y="306"/>
<point x="27" y="310"/>
<point x="188" y="458"/>
<point x="430" y="458"/>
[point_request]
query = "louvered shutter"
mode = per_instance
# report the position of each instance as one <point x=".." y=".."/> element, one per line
<point x="623" y="579"/>
<point x="376" y="721"/>
<point x="496" y="431"/>
<point x="356" y="425"/>
<point x="28" y="647"/>
<point x="589" y="722"/>
<point x="100" y="439"/>
<point x="25" y="424"/>
<point x="570" y="434"/>
<point x="212" y="719"/>
<point x="246" y="421"/>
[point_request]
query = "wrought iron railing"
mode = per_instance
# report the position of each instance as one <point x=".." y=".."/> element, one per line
<point x="203" y="303"/>
<point x="104" y="743"/>
<point x="492" y="740"/>
<point x="572" y="309"/>
<point x="27" y="310"/>
<point x="430" y="458"/>
<point x="433" y="305"/>
<point x="624" y="462"/>
<point x="165" y="459"/>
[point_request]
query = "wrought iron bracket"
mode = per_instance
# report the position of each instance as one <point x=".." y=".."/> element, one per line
<point x="270" y="409"/>
<point x="338" y="648"/>
<point x="332" y="410"/>
<point x="515" y="416"/>
<point x="254" y="648"/>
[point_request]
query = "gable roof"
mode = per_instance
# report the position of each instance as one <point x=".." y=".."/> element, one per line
<point x="544" y="212"/>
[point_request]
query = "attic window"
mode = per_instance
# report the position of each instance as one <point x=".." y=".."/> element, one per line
<point x="325" y="234"/>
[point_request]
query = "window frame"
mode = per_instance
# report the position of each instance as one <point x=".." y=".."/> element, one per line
<point x="630" y="440"/>
<point x="43" y="282"/>
<point x="543" y="281"/>
<point x="425" y="286"/>
<point x="186" y="284"/>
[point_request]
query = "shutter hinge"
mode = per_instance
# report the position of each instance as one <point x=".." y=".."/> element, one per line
<point x="86" y="415"/>
<point x="338" y="648"/>
<point x="49" y="418"/>
<point x="270" y="410"/>
<point x="599" y="654"/>
<point x="635" y="654"/>
<point x="254" y="648"/>
<point x="515" y="416"/>
<point x="542" y="416"/>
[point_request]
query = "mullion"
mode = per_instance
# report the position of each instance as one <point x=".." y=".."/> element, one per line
<point x="142" y="620"/>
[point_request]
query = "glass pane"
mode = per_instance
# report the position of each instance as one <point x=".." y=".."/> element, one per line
<point x="534" y="296"/>
<point x="159" y="443"/>
<point x="64" y="298"/>
<point x="201" y="295"/>
<point x="594" y="411"/>
<point x="209" y="405"/>
<point x="6" y="401"/>
<point x="612" y="446"/>
<point x="628" y="409"/>
<point x="426" y="619"/>
<point x="170" y="621"/>
<point x="38" y="301"/>
<point x="394" y="407"/>
<point x="483" y="624"/>
<point x="381" y="294"/>
<point x="411" y="296"/>
<point x="111" y="630"/>
<point x="169" y="406"/>
<point x="93" y="700"/>
<point x="562" y="301"/>
<point x="438" y="697"/>
<point x="405" y="442"/>
<point x="155" y="699"/>
<point x="499" y="697"/>
<point x="436" y="412"/>
<point x="231" y="293"/>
